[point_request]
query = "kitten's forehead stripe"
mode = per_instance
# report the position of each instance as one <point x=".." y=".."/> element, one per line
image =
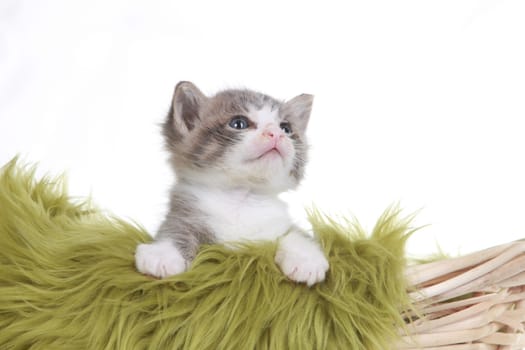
<point x="241" y="100"/>
<point x="265" y="115"/>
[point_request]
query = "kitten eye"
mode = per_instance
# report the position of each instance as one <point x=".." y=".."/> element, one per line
<point x="239" y="122"/>
<point x="286" y="127"/>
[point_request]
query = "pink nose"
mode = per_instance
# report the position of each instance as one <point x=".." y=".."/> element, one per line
<point x="272" y="134"/>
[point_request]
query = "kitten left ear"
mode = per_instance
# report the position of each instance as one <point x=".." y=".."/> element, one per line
<point x="298" y="110"/>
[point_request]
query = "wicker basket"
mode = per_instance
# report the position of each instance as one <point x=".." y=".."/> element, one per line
<point x="471" y="302"/>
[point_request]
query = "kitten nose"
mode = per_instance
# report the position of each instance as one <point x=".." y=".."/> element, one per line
<point x="272" y="133"/>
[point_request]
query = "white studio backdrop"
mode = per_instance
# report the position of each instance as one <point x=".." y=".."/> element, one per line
<point x="417" y="102"/>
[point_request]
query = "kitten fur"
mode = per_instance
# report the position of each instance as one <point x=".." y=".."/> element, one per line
<point x="233" y="153"/>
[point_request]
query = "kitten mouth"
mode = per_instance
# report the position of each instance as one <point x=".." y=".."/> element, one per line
<point x="271" y="153"/>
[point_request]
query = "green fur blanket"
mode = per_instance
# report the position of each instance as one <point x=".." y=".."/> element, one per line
<point x="68" y="281"/>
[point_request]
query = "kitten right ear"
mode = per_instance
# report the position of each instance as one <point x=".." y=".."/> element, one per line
<point x="298" y="110"/>
<point x="185" y="106"/>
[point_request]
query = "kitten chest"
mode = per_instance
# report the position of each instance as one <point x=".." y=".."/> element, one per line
<point x="237" y="215"/>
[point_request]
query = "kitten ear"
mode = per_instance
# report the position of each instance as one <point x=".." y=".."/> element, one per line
<point x="185" y="106"/>
<point x="298" y="110"/>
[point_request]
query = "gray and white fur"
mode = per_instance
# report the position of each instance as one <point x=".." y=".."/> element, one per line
<point x="233" y="153"/>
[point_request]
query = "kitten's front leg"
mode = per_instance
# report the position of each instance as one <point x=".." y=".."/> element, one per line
<point x="300" y="258"/>
<point x="176" y="243"/>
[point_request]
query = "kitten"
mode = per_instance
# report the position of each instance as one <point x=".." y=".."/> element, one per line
<point x="233" y="153"/>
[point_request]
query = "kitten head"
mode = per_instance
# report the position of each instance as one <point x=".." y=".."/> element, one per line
<point x="237" y="138"/>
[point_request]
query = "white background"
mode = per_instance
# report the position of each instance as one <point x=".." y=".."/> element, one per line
<point x="420" y="102"/>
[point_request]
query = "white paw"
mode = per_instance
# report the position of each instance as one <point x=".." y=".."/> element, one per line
<point x="160" y="259"/>
<point x="301" y="259"/>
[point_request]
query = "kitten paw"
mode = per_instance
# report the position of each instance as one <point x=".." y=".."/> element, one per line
<point x="160" y="259"/>
<point x="301" y="259"/>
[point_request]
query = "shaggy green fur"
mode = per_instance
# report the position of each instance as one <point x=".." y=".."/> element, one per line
<point x="67" y="281"/>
